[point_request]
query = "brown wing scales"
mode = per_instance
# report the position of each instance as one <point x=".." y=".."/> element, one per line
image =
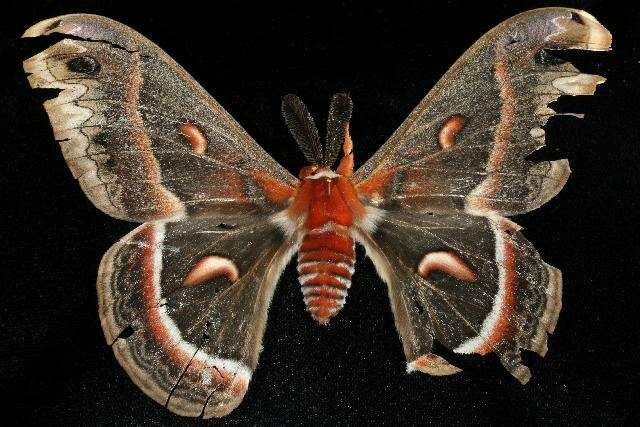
<point x="184" y="303"/>
<point x="473" y="283"/>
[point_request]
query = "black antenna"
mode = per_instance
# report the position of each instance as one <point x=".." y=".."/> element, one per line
<point x="303" y="129"/>
<point x="339" y="115"/>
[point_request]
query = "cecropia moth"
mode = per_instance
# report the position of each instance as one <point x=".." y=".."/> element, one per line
<point x="183" y="298"/>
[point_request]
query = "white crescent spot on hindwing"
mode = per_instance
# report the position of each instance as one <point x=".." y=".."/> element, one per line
<point x="448" y="263"/>
<point x="209" y="268"/>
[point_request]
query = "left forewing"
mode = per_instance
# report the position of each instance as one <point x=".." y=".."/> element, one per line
<point x="473" y="283"/>
<point x="184" y="306"/>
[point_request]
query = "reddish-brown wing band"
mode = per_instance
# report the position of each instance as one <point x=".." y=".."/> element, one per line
<point x="183" y="300"/>
<point x="447" y="177"/>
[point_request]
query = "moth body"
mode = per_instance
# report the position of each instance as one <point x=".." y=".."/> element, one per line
<point x="326" y="205"/>
<point x="329" y="203"/>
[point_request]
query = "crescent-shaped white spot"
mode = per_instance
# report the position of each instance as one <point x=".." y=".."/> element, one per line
<point x="209" y="268"/>
<point x="448" y="263"/>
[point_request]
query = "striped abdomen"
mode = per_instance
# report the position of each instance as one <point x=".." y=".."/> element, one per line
<point x="325" y="265"/>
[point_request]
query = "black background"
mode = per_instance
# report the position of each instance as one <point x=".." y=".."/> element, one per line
<point x="55" y="366"/>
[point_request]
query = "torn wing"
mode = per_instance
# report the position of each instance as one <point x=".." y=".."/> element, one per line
<point x="464" y="147"/>
<point x="146" y="141"/>
<point x="473" y="283"/>
<point x="184" y="306"/>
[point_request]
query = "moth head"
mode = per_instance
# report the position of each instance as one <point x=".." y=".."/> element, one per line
<point x="321" y="156"/>
<point x="307" y="171"/>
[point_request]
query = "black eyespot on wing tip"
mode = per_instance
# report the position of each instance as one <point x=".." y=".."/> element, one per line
<point x="84" y="65"/>
<point x="577" y="18"/>
<point x="110" y="163"/>
<point x="101" y="139"/>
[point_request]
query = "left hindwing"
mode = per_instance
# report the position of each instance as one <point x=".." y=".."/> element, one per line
<point x="473" y="283"/>
<point x="184" y="306"/>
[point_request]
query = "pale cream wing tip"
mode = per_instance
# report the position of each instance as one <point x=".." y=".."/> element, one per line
<point x="581" y="30"/>
<point x="597" y="37"/>
<point x="56" y="24"/>
<point x="579" y="84"/>
<point x="41" y="28"/>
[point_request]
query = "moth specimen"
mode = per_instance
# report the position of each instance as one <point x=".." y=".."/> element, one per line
<point x="183" y="298"/>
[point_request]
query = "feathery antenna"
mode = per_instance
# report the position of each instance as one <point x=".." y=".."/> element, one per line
<point x="339" y="116"/>
<point x="303" y="129"/>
